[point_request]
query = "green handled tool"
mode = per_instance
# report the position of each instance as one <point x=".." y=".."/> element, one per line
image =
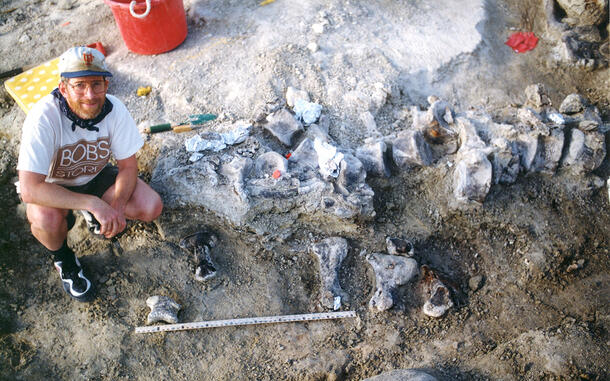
<point x="194" y="122"/>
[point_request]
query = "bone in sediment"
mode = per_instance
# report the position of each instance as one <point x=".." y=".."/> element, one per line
<point x="162" y="308"/>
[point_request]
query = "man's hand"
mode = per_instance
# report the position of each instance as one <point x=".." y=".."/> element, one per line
<point x="120" y="208"/>
<point x="118" y="195"/>
<point x="112" y="221"/>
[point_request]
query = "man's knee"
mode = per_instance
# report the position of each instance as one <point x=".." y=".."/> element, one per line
<point x="156" y="207"/>
<point x="47" y="219"/>
<point x="150" y="207"/>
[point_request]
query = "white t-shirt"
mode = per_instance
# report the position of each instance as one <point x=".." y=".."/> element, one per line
<point x="66" y="157"/>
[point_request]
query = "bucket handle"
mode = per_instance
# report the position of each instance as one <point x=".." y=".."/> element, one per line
<point x="139" y="16"/>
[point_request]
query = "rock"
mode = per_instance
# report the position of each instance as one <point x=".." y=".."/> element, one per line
<point x="65" y="4"/>
<point x="586" y="151"/>
<point x="536" y="96"/>
<point x="238" y="133"/>
<point x="529" y="117"/>
<point x="535" y="261"/>
<point x="307" y="112"/>
<point x="162" y="308"/>
<point x="468" y="135"/>
<point x="582" y="47"/>
<point x="402" y="375"/>
<point x="575" y="266"/>
<point x="410" y="149"/>
<point x="437" y="127"/>
<point x="572" y="104"/>
<point x="236" y="171"/>
<point x="505" y="163"/>
<point x="555" y="117"/>
<point x="313" y="47"/>
<point x="283" y="126"/>
<point x="475" y="282"/>
<point x="323" y="125"/>
<point x="588" y="12"/>
<point x="368" y="120"/>
<point x="528" y="146"/>
<point x="588" y="125"/>
<point x="210" y="141"/>
<point x="399" y="246"/>
<point x="589" y="120"/>
<point x="440" y="112"/>
<point x="318" y="28"/>
<point x="314" y="132"/>
<point x="391" y="271"/>
<point x="357" y="101"/>
<point x="548" y="158"/>
<point x="304" y="156"/>
<point x="226" y="185"/>
<point x="267" y="163"/>
<point x="473" y="171"/>
<point x="292" y="95"/>
<point x="351" y="173"/>
<point x="329" y="158"/>
<point x="372" y="156"/>
<point x="330" y="252"/>
<point x="438" y="295"/>
<point x="221" y="189"/>
<point x="540" y="149"/>
<point x="472" y="177"/>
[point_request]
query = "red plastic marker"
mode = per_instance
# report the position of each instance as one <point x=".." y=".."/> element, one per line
<point x="522" y="42"/>
<point x="276" y="174"/>
<point x="98" y="45"/>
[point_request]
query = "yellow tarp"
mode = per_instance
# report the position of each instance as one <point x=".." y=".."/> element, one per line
<point x="28" y="87"/>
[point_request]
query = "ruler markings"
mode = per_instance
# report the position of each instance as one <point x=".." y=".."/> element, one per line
<point x="246" y="321"/>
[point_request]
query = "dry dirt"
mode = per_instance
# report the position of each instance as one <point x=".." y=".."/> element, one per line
<point x="532" y="318"/>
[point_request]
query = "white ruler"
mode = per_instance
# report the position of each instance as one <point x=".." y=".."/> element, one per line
<point x="246" y="321"/>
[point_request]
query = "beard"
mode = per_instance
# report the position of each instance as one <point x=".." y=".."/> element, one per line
<point x="86" y="109"/>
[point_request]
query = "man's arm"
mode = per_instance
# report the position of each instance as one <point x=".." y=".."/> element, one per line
<point x="35" y="190"/>
<point x="124" y="186"/>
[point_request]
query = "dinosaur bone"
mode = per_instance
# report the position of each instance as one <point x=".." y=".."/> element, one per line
<point x="330" y="253"/>
<point x="162" y="308"/>
<point x="439" y="297"/>
<point x="200" y="244"/>
<point x="399" y="246"/>
<point x="391" y="271"/>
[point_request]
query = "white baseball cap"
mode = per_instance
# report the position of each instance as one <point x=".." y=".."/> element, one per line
<point x="82" y="61"/>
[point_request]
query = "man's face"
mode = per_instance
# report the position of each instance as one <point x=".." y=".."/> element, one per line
<point x="85" y="95"/>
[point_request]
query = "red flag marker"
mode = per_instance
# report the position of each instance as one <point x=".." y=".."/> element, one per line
<point x="522" y="42"/>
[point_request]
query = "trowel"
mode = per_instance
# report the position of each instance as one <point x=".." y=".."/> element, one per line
<point x="194" y="122"/>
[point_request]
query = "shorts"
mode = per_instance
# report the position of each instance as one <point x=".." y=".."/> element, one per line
<point x="96" y="187"/>
<point x="99" y="184"/>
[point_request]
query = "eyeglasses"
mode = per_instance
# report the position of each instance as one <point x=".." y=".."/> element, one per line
<point x="81" y="87"/>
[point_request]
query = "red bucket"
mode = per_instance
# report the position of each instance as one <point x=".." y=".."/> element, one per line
<point x="150" y="26"/>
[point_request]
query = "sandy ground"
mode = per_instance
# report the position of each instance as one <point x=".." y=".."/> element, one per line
<point x="530" y="319"/>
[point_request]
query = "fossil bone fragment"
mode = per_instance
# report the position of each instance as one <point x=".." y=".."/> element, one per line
<point x="391" y="271"/>
<point x="200" y="244"/>
<point x="330" y="253"/>
<point x="162" y="308"/>
<point x="399" y="246"/>
<point x="438" y="295"/>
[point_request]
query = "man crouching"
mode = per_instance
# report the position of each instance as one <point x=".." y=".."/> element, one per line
<point x="67" y="140"/>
